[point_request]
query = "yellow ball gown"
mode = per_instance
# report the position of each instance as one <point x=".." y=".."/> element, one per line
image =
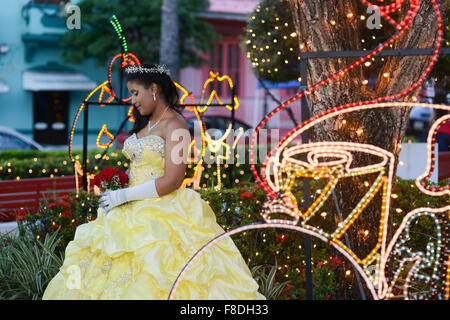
<point x="138" y="249"/>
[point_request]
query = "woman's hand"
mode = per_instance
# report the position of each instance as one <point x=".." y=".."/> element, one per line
<point x="111" y="199"/>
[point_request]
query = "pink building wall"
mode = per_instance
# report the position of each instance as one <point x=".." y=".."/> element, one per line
<point x="251" y="109"/>
<point x="233" y="6"/>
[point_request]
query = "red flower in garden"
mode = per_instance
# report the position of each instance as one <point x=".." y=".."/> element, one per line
<point x="55" y="227"/>
<point x="111" y="178"/>
<point x="282" y="237"/>
<point x="65" y="197"/>
<point x="21" y="217"/>
<point x="63" y="204"/>
<point x="67" y="214"/>
<point x="320" y="264"/>
<point x="334" y="262"/>
<point x="246" y="195"/>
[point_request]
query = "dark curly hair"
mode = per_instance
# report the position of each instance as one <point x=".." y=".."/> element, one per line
<point x="167" y="86"/>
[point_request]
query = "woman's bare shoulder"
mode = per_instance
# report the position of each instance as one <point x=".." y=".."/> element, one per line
<point x="174" y="126"/>
<point x="176" y="121"/>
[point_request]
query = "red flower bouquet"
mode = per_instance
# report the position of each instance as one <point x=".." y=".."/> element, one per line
<point x="111" y="178"/>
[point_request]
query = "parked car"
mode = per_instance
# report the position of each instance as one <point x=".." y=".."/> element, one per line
<point x="220" y="123"/>
<point x="419" y="121"/>
<point x="10" y="139"/>
<point x="421" y="118"/>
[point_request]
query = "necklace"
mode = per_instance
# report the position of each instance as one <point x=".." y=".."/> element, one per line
<point x="152" y="126"/>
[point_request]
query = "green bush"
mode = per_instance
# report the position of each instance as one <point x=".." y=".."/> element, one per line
<point x="53" y="163"/>
<point x="236" y="207"/>
<point x="15" y="164"/>
<point x="406" y="197"/>
<point x="27" y="265"/>
<point x="64" y="214"/>
<point x="269" y="287"/>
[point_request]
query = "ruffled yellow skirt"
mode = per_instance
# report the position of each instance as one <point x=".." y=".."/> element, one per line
<point x="139" y="248"/>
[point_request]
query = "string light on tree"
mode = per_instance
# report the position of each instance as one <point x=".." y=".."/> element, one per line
<point x="274" y="49"/>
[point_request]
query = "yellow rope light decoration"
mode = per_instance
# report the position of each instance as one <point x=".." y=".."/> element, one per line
<point x="213" y="77"/>
<point x="104" y="131"/>
<point x="195" y="179"/>
<point x="284" y="166"/>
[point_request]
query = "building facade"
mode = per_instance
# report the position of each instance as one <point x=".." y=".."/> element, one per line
<point x="229" y="18"/>
<point x="40" y="95"/>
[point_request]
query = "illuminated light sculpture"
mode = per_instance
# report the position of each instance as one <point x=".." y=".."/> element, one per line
<point x="128" y="59"/>
<point x="283" y="164"/>
<point x="435" y="258"/>
<point x="195" y="179"/>
<point x="431" y="159"/>
<point x="79" y="171"/>
<point x="281" y="224"/>
<point x="207" y="142"/>
<point x="106" y="95"/>
<point x="336" y="169"/>
<point x="213" y="77"/>
<point x="132" y="61"/>
<point x="331" y="147"/>
<point x="130" y="115"/>
<point x="101" y="89"/>
<point x="215" y="146"/>
<point x="405" y="24"/>
<point x="118" y="28"/>
<point x="104" y="131"/>
<point x="77" y="165"/>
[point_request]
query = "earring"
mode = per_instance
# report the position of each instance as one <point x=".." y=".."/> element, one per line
<point x="154" y="97"/>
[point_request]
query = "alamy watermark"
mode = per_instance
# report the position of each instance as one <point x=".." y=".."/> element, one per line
<point x="230" y="147"/>
<point x="73" y="16"/>
<point x="73" y="281"/>
<point x="374" y="17"/>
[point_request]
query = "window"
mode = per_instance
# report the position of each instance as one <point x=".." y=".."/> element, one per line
<point x="226" y="58"/>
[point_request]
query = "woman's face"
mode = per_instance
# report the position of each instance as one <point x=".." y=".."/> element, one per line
<point x="142" y="98"/>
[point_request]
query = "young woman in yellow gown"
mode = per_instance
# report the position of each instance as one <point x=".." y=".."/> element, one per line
<point x="145" y="234"/>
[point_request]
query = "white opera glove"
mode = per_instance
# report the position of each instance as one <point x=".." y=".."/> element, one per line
<point x="114" y="198"/>
<point x="111" y="199"/>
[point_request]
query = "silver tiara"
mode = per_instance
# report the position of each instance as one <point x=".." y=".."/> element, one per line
<point x="161" y="69"/>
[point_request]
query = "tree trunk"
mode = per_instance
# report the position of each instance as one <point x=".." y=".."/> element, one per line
<point x="170" y="48"/>
<point x="384" y="128"/>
